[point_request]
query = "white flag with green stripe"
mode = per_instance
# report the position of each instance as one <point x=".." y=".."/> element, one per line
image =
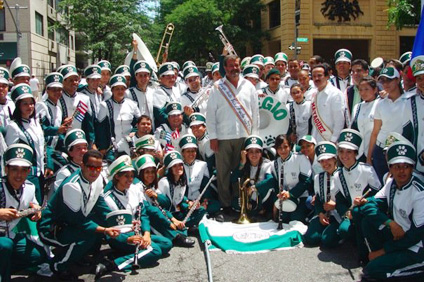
<point x="251" y="238"/>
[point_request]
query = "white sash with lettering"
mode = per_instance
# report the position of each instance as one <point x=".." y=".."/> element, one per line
<point x="320" y="125"/>
<point x="235" y="104"/>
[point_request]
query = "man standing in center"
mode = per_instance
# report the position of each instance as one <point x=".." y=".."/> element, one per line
<point x="232" y="115"/>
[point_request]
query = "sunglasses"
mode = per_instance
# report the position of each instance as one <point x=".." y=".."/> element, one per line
<point x="94" y="168"/>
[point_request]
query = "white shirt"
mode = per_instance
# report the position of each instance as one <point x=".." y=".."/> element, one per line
<point x="331" y="109"/>
<point x="390" y="113"/>
<point x="302" y="113"/>
<point x="363" y="114"/>
<point x="34" y="83"/>
<point x="222" y="122"/>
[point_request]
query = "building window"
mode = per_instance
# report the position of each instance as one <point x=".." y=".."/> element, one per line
<point x="72" y="43"/>
<point x="39" y="26"/>
<point x="274" y="14"/>
<point x="51" y="30"/>
<point x="2" y="20"/>
<point x="62" y="36"/>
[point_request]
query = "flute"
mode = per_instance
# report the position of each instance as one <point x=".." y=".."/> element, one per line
<point x="197" y="201"/>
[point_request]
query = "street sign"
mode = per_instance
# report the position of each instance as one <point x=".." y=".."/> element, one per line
<point x="291" y="47"/>
<point x="302" y="39"/>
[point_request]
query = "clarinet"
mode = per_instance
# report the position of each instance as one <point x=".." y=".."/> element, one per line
<point x="156" y="204"/>
<point x="197" y="201"/>
<point x="328" y="198"/>
<point x="133" y="153"/>
<point x="47" y="182"/>
<point x="137" y="226"/>
<point x="280" y="212"/>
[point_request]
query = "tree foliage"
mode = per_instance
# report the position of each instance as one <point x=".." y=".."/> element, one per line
<point x="107" y="25"/>
<point x="403" y="13"/>
<point x="195" y="22"/>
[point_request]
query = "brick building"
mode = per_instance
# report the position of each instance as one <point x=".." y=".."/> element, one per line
<point x="367" y="36"/>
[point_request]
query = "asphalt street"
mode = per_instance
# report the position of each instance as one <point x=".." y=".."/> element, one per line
<point x="300" y="264"/>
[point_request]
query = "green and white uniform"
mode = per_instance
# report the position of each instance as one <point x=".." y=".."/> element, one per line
<point x="130" y="199"/>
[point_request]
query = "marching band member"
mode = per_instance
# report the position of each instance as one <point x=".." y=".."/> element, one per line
<point x="258" y="60"/>
<point x="327" y="107"/>
<point x="18" y="251"/>
<point x="323" y="227"/>
<point x="281" y="60"/>
<point x="173" y="186"/>
<point x="307" y="84"/>
<point x="251" y="73"/>
<point x="392" y="221"/>
<point x="50" y="115"/>
<point x="192" y="78"/>
<point x="258" y="170"/>
<point x="268" y="65"/>
<point x="273" y="89"/>
<point x="7" y="107"/>
<point x="294" y="69"/>
<point x="106" y="73"/>
<point x="76" y="105"/>
<point x="198" y="127"/>
<point x="300" y="123"/>
<point x="165" y="93"/>
<point x="20" y="74"/>
<point x="384" y="123"/>
<point x="147" y="144"/>
<point x="125" y="71"/>
<point x="353" y="180"/>
<point x="93" y="76"/>
<point x="363" y="113"/>
<point x="415" y="120"/>
<point x="120" y="194"/>
<point x="307" y="147"/>
<point x="117" y="117"/>
<point x="292" y="177"/>
<point x="76" y="146"/>
<point x="343" y="80"/>
<point x="169" y="134"/>
<point x="208" y="79"/>
<point x="162" y="221"/>
<point x="352" y="95"/>
<point x="197" y="175"/>
<point x="216" y="75"/>
<point x="74" y="217"/>
<point x="25" y="128"/>
<point x="142" y="93"/>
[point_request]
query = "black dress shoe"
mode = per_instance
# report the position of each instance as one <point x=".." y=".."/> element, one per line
<point x="104" y="268"/>
<point x="182" y="241"/>
<point x="66" y="275"/>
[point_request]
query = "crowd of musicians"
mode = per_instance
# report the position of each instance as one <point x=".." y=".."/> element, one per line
<point x="129" y="157"/>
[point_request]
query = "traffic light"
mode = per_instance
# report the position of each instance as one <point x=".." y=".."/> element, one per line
<point x="1" y="4"/>
<point x="297" y="17"/>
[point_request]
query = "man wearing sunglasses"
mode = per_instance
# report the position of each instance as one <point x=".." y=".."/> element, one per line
<point x="74" y="217"/>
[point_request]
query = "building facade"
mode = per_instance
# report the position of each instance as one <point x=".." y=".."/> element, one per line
<point x="325" y="26"/>
<point x="41" y="47"/>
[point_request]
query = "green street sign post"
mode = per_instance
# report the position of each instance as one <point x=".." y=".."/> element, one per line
<point x="302" y="39"/>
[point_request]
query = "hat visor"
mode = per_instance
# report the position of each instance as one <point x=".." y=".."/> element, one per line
<point x="70" y="74"/>
<point x="94" y="76"/>
<point x="4" y="81"/>
<point x="55" y="84"/>
<point x="252" y="75"/>
<point x="76" y="142"/>
<point x="168" y="72"/>
<point x="191" y="75"/>
<point x="402" y="159"/>
<point x="326" y="157"/>
<point x="344" y="59"/>
<point x="254" y="146"/>
<point x="146" y="165"/>
<point x="347" y="145"/>
<point x="22" y="74"/>
<point x="196" y="122"/>
<point x="417" y="73"/>
<point x="142" y="70"/>
<point x="149" y="147"/>
<point x="118" y="84"/>
<point x="175" y="112"/>
<point x="124" y="169"/>
<point x="189" y="146"/>
<point x="19" y="162"/>
<point x="23" y="96"/>
<point x="174" y="162"/>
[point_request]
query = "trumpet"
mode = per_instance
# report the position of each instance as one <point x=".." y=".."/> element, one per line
<point x="166" y="41"/>
<point x="201" y="97"/>
<point x="225" y="41"/>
